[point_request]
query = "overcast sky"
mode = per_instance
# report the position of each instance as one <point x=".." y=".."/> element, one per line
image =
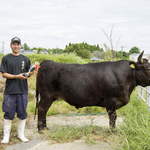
<point x="55" y="23"/>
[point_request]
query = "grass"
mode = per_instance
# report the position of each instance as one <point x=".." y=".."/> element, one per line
<point x="63" y="58"/>
<point x="135" y="132"/>
<point x="90" y="134"/>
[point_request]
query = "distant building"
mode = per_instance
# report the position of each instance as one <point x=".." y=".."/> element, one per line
<point x="33" y="51"/>
<point x="44" y="52"/>
<point x="2" y="52"/>
<point x="95" y="59"/>
<point x="27" y="51"/>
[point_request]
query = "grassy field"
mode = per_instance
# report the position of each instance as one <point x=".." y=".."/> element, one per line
<point x="135" y="130"/>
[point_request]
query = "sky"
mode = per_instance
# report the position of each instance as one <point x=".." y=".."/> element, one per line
<point x="55" y="23"/>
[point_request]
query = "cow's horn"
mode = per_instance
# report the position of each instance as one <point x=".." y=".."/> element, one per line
<point x="140" y="57"/>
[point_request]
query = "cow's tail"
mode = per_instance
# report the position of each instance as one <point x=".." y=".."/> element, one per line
<point x="37" y="100"/>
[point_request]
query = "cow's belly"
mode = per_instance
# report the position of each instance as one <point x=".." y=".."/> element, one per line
<point x="90" y="90"/>
<point x="88" y="96"/>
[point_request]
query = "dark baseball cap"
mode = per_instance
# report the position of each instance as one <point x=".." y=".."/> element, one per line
<point x="15" y="40"/>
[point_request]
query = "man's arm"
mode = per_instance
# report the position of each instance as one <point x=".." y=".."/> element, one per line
<point x="12" y="76"/>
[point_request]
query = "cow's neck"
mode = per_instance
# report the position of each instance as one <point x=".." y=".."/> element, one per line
<point x="139" y="78"/>
<point x="133" y="82"/>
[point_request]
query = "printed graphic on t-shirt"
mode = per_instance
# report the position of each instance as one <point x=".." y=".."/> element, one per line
<point x="22" y="65"/>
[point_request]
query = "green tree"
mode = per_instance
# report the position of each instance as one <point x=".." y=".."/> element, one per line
<point x="83" y="53"/>
<point x="25" y="46"/>
<point x="55" y="51"/>
<point x="74" y="47"/>
<point x="98" y="54"/>
<point x="38" y="49"/>
<point x="122" y="55"/>
<point x="82" y="49"/>
<point x="134" y="50"/>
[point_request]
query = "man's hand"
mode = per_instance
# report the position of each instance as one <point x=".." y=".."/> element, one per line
<point x="12" y="76"/>
<point x="20" y="76"/>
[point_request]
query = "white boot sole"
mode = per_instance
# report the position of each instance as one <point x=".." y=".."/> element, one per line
<point x="25" y="140"/>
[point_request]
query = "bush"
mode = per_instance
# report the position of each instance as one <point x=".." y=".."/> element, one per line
<point x="83" y="53"/>
<point x="63" y="58"/>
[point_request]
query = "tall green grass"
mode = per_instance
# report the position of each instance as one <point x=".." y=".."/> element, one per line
<point x="135" y="131"/>
<point x="63" y="58"/>
<point x="90" y="134"/>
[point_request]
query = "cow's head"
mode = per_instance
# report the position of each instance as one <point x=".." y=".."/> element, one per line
<point x="142" y="71"/>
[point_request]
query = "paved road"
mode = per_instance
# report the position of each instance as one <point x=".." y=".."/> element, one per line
<point x="44" y="145"/>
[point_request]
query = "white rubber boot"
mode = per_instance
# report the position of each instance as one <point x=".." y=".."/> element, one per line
<point x="21" y="128"/>
<point x="6" y="131"/>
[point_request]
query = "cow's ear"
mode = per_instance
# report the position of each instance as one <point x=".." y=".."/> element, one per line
<point x="132" y="66"/>
<point x="140" y="60"/>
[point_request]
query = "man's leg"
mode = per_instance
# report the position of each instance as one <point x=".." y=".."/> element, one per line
<point x="9" y="107"/>
<point x="22" y="100"/>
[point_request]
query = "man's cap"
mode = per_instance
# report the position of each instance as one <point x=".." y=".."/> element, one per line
<point x="16" y="40"/>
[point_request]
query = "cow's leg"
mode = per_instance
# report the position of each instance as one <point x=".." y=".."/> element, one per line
<point x="43" y="107"/>
<point x="112" y="117"/>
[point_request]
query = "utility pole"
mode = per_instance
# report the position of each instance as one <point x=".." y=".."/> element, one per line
<point x="3" y="47"/>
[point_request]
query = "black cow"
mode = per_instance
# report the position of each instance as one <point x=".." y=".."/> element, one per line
<point x="106" y="84"/>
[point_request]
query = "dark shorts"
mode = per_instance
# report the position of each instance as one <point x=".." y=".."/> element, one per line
<point x="15" y="103"/>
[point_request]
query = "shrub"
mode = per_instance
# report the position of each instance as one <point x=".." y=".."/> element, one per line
<point x="63" y="58"/>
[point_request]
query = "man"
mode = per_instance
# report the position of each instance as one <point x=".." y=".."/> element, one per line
<point x="16" y="90"/>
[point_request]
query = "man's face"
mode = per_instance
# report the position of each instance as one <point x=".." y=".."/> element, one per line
<point x="15" y="47"/>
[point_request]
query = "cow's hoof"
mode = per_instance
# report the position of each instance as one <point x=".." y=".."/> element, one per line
<point x="41" y="130"/>
<point x="113" y="129"/>
<point x="45" y="128"/>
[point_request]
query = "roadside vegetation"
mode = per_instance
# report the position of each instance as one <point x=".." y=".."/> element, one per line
<point x="135" y="129"/>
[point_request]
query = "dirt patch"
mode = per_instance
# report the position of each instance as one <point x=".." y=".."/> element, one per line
<point x="82" y="120"/>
